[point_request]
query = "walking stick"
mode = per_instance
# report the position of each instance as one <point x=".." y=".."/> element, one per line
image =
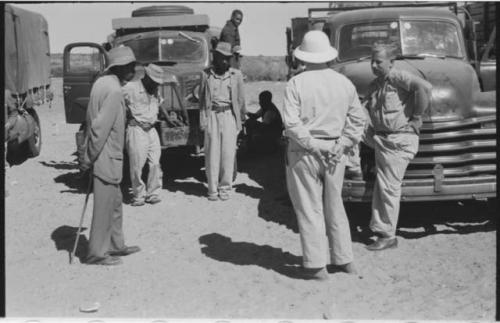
<point x="72" y="254"/>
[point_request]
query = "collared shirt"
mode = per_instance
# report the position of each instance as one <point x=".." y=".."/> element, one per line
<point x="391" y="103"/>
<point x="142" y="105"/>
<point x="230" y="34"/>
<point x="322" y="104"/>
<point x="220" y="88"/>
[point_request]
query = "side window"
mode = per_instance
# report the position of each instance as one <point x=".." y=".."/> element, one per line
<point x="85" y="60"/>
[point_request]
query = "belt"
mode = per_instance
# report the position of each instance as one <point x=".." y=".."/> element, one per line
<point x="146" y="126"/>
<point x="218" y="109"/>
<point x="385" y="134"/>
<point x="327" y="138"/>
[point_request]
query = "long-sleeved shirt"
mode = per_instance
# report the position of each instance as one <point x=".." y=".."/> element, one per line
<point x="105" y="136"/>
<point x="397" y="102"/>
<point x="142" y="105"/>
<point x="322" y="104"/>
<point x="230" y="34"/>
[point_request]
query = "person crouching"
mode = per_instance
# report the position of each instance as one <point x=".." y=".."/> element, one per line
<point x="222" y="109"/>
<point x="143" y="143"/>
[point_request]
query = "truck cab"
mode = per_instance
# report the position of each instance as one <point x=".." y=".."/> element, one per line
<point x="457" y="153"/>
<point x="172" y="37"/>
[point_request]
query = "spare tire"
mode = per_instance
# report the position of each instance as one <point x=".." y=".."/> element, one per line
<point x="171" y="10"/>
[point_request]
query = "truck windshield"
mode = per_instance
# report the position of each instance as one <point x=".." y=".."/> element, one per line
<point x="434" y="38"/>
<point x="409" y="38"/>
<point x="171" y="49"/>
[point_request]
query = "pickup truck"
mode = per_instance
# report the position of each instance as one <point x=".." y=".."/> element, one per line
<point x="170" y="36"/>
<point x="457" y="153"/>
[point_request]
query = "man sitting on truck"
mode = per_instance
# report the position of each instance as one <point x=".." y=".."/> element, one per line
<point x="230" y="34"/>
<point x="396" y="101"/>
<point x="143" y="143"/>
<point x="222" y="109"/>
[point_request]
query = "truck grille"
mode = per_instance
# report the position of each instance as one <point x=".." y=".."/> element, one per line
<point x="464" y="148"/>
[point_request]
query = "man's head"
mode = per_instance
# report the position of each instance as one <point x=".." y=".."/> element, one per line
<point x="265" y="97"/>
<point x="382" y="59"/>
<point x="315" y="50"/>
<point x="237" y="17"/>
<point x="222" y="55"/>
<point x="122" y="63"/>
<point x="153" y="77"/>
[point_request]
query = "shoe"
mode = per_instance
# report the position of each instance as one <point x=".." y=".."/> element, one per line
<point x="105" y="261"/>
<point x="125" y="251"/>
<point x="315" y="273"/>
<point x="213" y="198"/>
<point x="138" y="203"/>
<point x="348" y="268"/>
<point x="153" y="200"/>
<point x="383" y="243"/>
<point x="224" y="197"/>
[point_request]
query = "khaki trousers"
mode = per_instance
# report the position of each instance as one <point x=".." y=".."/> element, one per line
<point x="393" y="153"/>
<point x="106" y="232"/>
<point x="316" y="195"/>
<point x="144" y="146"/>
<point x="220" y="151"/>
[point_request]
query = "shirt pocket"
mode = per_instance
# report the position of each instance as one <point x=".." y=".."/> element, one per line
<point x="392" y="103"/>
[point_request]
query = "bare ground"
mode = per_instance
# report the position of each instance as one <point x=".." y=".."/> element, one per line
<point x="231" y="259"/>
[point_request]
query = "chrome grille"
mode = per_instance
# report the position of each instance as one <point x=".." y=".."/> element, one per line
<point x="464" y="148"/>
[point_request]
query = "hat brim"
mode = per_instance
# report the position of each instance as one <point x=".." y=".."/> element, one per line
<point x="228" y="54"/>
<point x="154" y="78"/>
<point x="323" y="57"/>
<point x="121" y="64"/>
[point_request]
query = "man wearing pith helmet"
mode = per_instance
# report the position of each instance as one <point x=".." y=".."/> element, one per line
<point x="323" y="119"/>
<point x="143" y="143"/>
<point x="105" y="139"/>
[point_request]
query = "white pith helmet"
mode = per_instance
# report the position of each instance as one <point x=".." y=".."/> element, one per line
<point x="315" y="48"/>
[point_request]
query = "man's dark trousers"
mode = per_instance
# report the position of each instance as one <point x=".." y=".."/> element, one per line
<point x="106" y="233"/>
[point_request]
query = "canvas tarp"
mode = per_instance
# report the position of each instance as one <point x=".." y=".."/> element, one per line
<point x="27" y="52"/>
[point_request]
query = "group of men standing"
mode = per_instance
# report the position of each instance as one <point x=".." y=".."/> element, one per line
<point x="324" y="122"/>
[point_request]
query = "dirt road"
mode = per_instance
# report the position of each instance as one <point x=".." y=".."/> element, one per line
<point x="203" y="259"/>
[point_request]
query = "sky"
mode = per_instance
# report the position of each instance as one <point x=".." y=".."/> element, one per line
<point x="262" y="31"/>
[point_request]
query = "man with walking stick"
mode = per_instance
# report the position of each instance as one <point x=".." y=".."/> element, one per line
<point x="105" y="139"/>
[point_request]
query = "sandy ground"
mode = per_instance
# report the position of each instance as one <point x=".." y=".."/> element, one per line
<point x="231" y="259"/>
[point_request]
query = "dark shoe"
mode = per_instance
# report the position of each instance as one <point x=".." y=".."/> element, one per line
<point x="106" y="261"/>
<point x="348" y="268"/>
<point x="315" y="273"/>
<point x="138" y="203"/>
<point x="153" y="200"/>
<point x="383" y="243"/>
<point x="125" y="251"/>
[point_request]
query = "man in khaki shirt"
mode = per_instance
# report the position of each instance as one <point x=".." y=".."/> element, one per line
<point x="323" y="119"/>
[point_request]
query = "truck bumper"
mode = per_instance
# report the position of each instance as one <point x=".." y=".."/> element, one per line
<point x="462" y="188"/>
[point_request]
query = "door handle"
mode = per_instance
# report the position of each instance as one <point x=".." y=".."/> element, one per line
<point x="67" y="87"/>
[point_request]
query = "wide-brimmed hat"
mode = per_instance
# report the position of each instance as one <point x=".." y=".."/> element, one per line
<point x="119" y="56"/>
<point x="224" y="48"/>
<point x="155" y="73"/>
<point x="315" y="48"/>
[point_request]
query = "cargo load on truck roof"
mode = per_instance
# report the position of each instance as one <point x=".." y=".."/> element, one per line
<point x="27" y="52"/>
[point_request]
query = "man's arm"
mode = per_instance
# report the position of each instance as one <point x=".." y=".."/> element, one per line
<point x="421" y="91"/>
<point x="102" y="124"/>
<point x="241" y="98"/>
<point x="228" y="35"/>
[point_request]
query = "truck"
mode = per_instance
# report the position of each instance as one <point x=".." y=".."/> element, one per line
<point x="456" y="159"/>
<point x="27" y="81"/>
<point x="171" y="36"/>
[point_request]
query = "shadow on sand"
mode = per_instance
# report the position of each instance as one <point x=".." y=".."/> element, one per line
<point x="64" y="238"/>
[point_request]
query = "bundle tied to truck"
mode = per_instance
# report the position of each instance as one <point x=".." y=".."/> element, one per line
<point x="27" y="81"/>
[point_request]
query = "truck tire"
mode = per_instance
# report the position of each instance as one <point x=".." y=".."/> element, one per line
<point x="35" y="141"/>
<point x="170" y="10"/>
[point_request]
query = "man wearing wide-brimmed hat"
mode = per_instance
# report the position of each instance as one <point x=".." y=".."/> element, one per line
<point x="143" y="143"/>
<point x="222" y="109"/>
<point x="323" y="118"/>
<point x="105" y="139"/>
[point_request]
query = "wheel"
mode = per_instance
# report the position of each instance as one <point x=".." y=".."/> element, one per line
<point x="170" y="10"/>
<point x="35" y="141"/>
